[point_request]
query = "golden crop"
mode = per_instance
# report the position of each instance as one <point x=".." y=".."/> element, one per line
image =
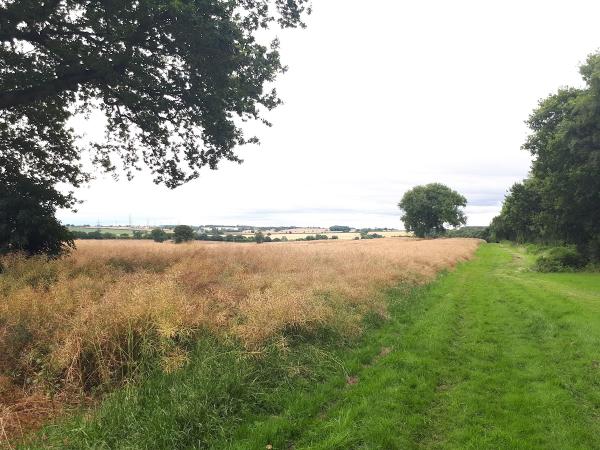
<point x="88" y="319"/>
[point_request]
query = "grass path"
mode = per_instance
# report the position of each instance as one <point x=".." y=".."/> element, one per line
<point x="490" y="356"/>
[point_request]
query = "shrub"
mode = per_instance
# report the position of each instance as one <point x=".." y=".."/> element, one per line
<point x="470" y="232"/>
<point x="158" y="235"/>
<point x="183" y="233"/>
<point x="371" y="236"/>
<point x="341" y="228"/>
<point x="259" y="237"/>
<point x="560" y="259"/>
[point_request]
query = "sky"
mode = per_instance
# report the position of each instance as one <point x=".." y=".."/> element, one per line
<point x="380" y="96"/>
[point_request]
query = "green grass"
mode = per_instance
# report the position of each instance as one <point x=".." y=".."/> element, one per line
<point x="489" y="356"/>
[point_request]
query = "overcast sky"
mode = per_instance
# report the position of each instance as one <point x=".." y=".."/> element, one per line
<point x="380" y="96"/>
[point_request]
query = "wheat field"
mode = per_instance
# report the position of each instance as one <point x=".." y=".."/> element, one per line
<point x="71" y="326"/>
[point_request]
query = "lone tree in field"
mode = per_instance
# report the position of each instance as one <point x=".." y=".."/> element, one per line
<point x="183" y="233"/>
<point x="173" y="79"/>
<point x="428" y="209"/>
<point x="259" y="237"/>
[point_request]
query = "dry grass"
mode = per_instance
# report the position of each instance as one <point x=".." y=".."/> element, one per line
<point x="89" y="320"/>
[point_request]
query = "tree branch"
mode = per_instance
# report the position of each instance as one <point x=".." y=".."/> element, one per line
<point x="67" y="82"/>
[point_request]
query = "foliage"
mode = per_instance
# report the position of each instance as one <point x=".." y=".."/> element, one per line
<point x="183" y="233"/>
<point x="171" y="77"/>
<point x="519" y="218"/>
<point x="316" y="237"/>
<point x="559" y="203"/>
<point x="470" y="232"/>
<point x="98" y="234"/>
<point x="259" y="237"/>
<point x="158" y="235"/>
<point x="27" y="221"/>
<point x="340" y="228"/>
<point x="371" y="236"/>
<point x="428" y="209"/>
<point x="560" y="259"/>
<point x="226" y="238"/>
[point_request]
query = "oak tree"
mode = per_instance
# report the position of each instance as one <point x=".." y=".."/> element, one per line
<point x="173" y="79"/>
<point x="429" y="209"/>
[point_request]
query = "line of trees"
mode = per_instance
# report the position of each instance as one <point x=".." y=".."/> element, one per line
<point x="559" y="203"/>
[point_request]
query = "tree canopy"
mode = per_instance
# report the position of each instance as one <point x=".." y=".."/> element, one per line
<point x="174" y="80"/>
<point x="158" y="235"/>
<point x="340" y="228"/>
<point x="259" y="237"/>
<point x="171" y="77"/>
<point x="519" y="217"/>
<point x="183" y="233"/>
<point x="560" y="202"/>
<point x="429" y="209"/>
<point x="27" y="221"/>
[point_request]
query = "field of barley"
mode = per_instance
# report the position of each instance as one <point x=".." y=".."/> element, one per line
<point x="74" y="328"/>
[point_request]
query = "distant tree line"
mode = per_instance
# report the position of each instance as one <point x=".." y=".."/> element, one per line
<point x="470" y="232"/>
<point x="340" y="228"/>
<point x="185" y="233"/>
<point x="98" y="234"/>
<point x="559" y="203"/>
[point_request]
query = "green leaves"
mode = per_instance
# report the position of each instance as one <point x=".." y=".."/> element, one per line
<point x="428" y="209"/>
<point x="172" y="78"/>
<point x="561" y="200"/>
<point x="27" y="222"/>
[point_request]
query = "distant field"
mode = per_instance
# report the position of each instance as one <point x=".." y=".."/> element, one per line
<point x="290" y="236"/>
<point x="112" y="230"/>
<point x="342" y="236"/>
